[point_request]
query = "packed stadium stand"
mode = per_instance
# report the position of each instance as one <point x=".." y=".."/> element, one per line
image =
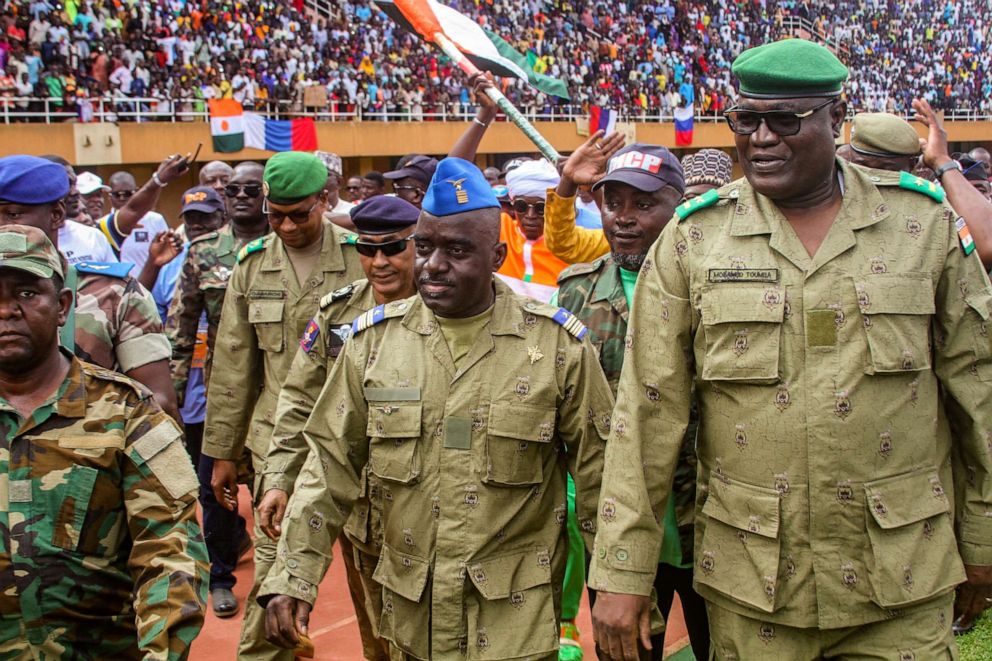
<point x="121" y="59"/>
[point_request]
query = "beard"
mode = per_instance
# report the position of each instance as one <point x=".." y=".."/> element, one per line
<point x="628" y="261"/>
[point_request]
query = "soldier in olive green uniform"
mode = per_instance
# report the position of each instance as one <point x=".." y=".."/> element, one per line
<point x="101" y="556"/>
<point x="271" y="296"/>
<point x="467" y="404"/>
<point x="835" y="329"/>
<point x="641" y="186"/>
<point x="384" y="227"/>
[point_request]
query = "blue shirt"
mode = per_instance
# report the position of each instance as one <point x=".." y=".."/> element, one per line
<point x="194" y="408"/>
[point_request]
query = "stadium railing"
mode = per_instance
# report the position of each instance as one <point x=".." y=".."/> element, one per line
<point x="144" y="109"/>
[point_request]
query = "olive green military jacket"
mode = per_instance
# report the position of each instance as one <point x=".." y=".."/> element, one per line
<point x="828" y="389"/>
<point x="201" y="288"/>
<point x="101" y="555"/>
<point x="320" y="345"/>
<point x="593" y="292"/>
<point x="264" y="315"/>
<point x="472" y="463"/>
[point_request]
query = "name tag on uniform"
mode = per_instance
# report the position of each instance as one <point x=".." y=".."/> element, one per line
<point x="458" y="433"/>
<point x="742" y="275"/>
<point x="267" y="294"/>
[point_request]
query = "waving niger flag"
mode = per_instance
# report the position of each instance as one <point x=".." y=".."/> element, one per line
<point x="227" y="125"/>
<point x="484" y="49"/>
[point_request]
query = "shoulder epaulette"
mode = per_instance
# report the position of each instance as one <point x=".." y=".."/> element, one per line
<point x="251" y="247"/>
<point x="337" y="295"/>
<point x="921" y="185"/>
<point x="560" y="316"/>
<point x="377" y="315"/>
<point x="204" y="237"/>
<point x="111" y="269"/>
<point x="109" y="375"/>
<point x="582" y="269"/>
<point x="707" y="199"/>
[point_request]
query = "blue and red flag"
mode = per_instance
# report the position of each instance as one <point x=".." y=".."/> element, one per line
<point x="683" y="125"/>
<point x="602" y="119"/>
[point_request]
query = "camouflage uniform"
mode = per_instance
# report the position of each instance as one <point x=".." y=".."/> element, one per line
<point x="117" y="325"/>
<point x="828" y="387"/>
<point x="265" y="313"/>
<point x="200" y="290"/>
<point x="471" y="463"/>
<point x="101" y="556"/>
<point x="593" y="293"/>
<point x="289" y="454"/>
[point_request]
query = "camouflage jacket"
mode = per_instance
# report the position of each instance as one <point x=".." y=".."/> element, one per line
<point x="593" y="293"/>
<point x="117" y="323"/>
<point x="101" y="556"/>
<point x="201" y="288"/>
<point x="472" y="463"/>
<point x="263" y="318"/>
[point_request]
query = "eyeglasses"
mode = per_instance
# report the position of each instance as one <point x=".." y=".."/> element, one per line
<point x="389" y="248"/>
<point x="251" y="190"/>
<point x="297" y="217"/>
<point x="522" y="207"/>
<point x="123" y="194"/>
<point x="780" y="122"/>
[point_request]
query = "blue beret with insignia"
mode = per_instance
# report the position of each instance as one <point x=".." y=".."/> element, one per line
<point x="32" y="180"/>
<point x="458" y="186"/>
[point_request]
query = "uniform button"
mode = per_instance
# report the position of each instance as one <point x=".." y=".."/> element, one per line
<point x="530" y="305"/>
<point x="622" y="555"/>
<point x="876" y="179"/>
<point x="292" y="564"/>
<point x="602" y="553"/>
<point x="734" y="194"/>
<point x="401" y="307"/>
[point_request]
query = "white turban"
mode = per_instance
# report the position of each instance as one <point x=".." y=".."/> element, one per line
<point x="532" y="179"/>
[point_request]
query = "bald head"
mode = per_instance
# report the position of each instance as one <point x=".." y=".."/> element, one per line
<point x="216" y="174"/>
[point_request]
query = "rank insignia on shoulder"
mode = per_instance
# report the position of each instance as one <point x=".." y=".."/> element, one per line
<point x="964" y="236"/>
<point x="368" y="319"/>
<point x="570" y="322"/>
<point x="707" y="199"/>
<point x="251" y="247"/>
<point x="310" y="335"/>
<point x="337" y="295"/>
<point x="111" y="269"/>
<point x="920" y="185"/>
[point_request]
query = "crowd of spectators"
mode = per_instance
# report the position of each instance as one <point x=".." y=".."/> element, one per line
<point x="642" y="57"/>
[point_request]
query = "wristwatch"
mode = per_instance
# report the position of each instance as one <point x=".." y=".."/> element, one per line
<point x="947" y="167"/>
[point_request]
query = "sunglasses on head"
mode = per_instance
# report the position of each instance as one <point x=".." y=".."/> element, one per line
<point x="389" y="248"/>
<point x="780" y="122"/>
<point x="522" y="207"/>
<point x="251" y="190"/>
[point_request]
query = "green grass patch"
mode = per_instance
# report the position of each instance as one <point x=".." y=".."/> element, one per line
<point x="977" y="644"/>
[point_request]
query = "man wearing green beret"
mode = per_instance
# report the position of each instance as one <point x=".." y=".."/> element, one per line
<point x="272" y="294"/>
<point x="831" y="319"/>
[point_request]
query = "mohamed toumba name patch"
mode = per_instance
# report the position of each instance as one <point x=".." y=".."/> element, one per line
<point x="742" y="275"/>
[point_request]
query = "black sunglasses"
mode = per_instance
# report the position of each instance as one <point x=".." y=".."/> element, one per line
<point x="521" y="207"/>
<point x="251" y="190"/>
<point x="389" y="249"/>
<point x="122" y="194"/>
<point x="780" y="122"/>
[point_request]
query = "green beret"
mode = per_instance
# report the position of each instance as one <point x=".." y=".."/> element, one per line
<point x="789" y="69"/>
<point x="291" y="176"/>
<point x="882" y="134"/>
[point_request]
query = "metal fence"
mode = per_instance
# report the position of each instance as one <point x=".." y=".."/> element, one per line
<point x="52" y="111"/>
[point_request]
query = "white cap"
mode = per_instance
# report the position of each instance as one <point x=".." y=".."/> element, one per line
<point x="87" y="183"/>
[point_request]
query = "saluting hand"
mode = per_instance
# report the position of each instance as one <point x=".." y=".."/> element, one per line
<point x="935" y="149"/>
<point x="588" y="163"/>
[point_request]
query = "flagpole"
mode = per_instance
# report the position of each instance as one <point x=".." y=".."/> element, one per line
<point x="504" y="104"/>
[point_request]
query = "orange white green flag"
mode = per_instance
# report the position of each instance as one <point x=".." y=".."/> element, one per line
<point x="227" y="125"/>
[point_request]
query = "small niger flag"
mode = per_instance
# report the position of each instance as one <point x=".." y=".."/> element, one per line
<point x="227" y="126"/>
